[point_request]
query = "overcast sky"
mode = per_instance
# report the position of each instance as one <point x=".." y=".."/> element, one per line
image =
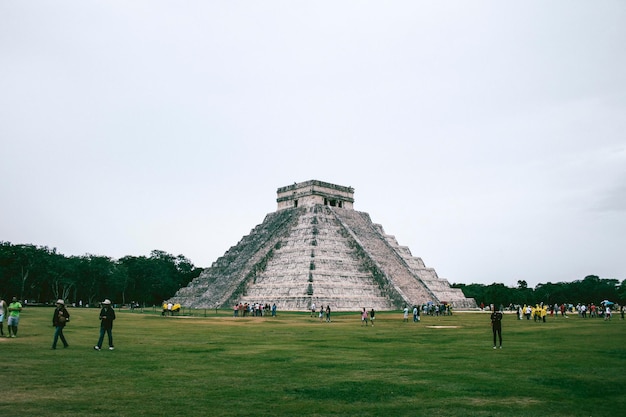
<point x="488" y="137"/>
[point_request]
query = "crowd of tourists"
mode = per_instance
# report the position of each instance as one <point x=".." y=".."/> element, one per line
<point x="254" y="310"/>
<point x="541" y="311"/>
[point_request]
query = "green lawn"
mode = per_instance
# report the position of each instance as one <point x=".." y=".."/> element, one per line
<point x="293" y="365"/>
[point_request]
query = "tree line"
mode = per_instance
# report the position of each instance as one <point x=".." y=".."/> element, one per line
<point x="42" y="275"/>
<point x="39" y="274"/>
<point x="591" y="289"/>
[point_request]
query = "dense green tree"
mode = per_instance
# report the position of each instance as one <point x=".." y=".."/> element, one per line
<point x="40" y="274"/>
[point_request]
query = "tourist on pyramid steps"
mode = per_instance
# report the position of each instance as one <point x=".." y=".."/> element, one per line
<point x="321" y="313"/>
<point x="496" y="326"/>
<point x="405" y="317"/>
<point x="14" y="310"/>
<point x="60" y="317"/>
<point x="372" y="314"/>
<point x="3" y="310"/>
<point x="313" y="310"/>
<point x="328" y="313"/>
<point x="107" y="315"/>
<point x="364" y="317"/>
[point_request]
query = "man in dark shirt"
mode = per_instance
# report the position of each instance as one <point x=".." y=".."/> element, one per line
<point x="496" y="326"/>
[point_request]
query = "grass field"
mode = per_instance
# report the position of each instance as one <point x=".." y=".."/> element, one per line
<point x="293" y="365"/>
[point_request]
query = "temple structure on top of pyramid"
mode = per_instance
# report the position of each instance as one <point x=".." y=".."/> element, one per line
<point x="316" y="249"/>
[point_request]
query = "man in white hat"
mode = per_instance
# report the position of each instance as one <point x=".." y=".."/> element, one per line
<point x="59" y="319"/>
<point x="107" y="315"/>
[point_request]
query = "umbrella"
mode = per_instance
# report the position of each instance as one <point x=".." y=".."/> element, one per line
<point x="607" y="303"/>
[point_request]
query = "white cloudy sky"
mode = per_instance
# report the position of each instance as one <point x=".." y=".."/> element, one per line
<point x="488" y="137"/>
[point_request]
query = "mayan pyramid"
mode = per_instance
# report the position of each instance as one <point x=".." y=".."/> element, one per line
<point x="315" y="248"/>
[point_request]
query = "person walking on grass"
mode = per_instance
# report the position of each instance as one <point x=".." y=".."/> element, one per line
<point x="14" y="316"/>
<point x="107" y="315"/>
<point x="372" y="314"/>
<point x="59" y="320"/>
<point x="496" y="326"/>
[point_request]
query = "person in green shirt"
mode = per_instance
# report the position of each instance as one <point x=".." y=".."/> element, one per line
<point x="14" y="316"/>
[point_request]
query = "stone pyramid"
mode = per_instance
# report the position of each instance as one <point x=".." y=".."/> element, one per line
<point x="317" y="249"/>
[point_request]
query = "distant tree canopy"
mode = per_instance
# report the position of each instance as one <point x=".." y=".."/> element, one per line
<point x="592" y="289"/>
<point x="40" y="274"/>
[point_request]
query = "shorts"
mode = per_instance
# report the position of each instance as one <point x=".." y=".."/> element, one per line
<point x="1" y="318"/>
<point x="13" y="321"/>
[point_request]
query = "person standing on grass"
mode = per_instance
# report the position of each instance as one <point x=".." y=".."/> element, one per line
<point x="364" y="317"/>
<point x="3" y="310"/>
<point x="14" y="316"/>
<point x="496" y="326"/>
<point x="59" y="319"/>
<point x="328" y="313"/>
<point x="372" y="314"/>
<point x="405" y="317"/>
<point x="107" y="315"/>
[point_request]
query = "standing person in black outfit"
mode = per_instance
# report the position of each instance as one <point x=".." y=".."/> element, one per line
<point x="496" y="325"/>
<point x="59" y="320"/>
<point x="107" y="315"/>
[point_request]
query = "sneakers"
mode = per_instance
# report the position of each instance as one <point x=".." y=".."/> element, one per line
<point x="111" y="348"/>
<point x="97" y="348"/>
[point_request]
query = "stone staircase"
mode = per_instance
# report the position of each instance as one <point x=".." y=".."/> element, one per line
<point x="316" y="264"/>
